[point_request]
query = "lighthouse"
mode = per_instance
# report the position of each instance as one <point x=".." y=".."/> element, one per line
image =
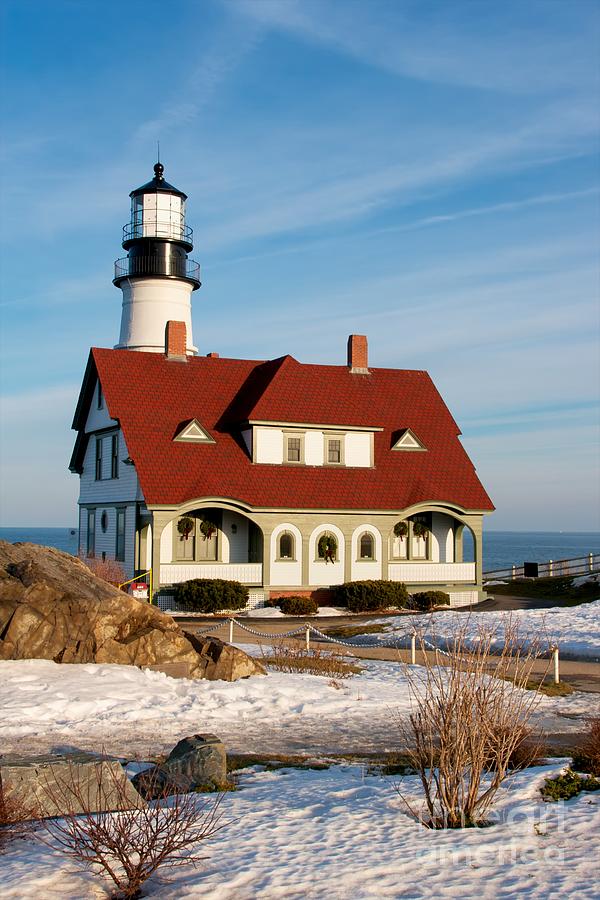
<point x="157" y="277"/>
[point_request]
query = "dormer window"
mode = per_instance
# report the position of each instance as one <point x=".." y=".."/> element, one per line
<point x="294" y="447"/>
<point x="334" y="450"/>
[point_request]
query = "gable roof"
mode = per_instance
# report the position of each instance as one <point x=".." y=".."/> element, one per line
<point x="151" y="396"/>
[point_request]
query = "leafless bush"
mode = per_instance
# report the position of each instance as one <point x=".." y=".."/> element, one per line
<point x="470" y="719"/>
<point x="587" y="757"/>
<point x="106" y="569"/>
<point x="129" y="845"/>
<point x="293" y="658"/>
<point x="17" y="818"/>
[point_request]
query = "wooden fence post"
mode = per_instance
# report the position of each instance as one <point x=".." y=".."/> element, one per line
<point x="231" y="631"/>
<point x="308" y="637"/>
<point x="591" y="562"/>
<point x="413" y="649"/>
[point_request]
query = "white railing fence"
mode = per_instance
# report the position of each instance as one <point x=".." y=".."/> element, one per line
<point x="579" y="565"/>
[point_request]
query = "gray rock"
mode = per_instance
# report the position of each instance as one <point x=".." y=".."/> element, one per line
<point x="196" y="761"/>
<point x="47" y="786"/>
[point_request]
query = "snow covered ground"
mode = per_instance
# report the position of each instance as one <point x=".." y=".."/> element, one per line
<point x="342" y="835"/>
<point x="575" y="629"/>
<point x="46" y="705"/>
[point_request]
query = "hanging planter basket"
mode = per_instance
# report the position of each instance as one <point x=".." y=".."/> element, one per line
<point x="207" y="529"/>
<point x="185" y="526"/>
<point x="420" y="530"/>
<point x="327" y="548"/>
<point x="401" y="529"/>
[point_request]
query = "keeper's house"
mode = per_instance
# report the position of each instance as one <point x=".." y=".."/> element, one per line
<point x="287" y="477"/>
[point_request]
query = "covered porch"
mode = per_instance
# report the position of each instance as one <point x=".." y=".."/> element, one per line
<point x="201" y="541"/>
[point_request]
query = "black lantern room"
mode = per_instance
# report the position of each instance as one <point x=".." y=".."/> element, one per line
<point x="157" y="239"/>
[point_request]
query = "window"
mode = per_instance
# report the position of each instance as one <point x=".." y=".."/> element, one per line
<point x="366" y="546"/>
<point x="114" y="456"/>
<point x="327" y="548"/>
<point x="294" y="448"/>
<point x="207" y="545"/>
<point x="99" y="396"/>
<point x="420" y="537"/>
<point x="120" y="547"/>
<point x="286" y="545"/>
<point x="91" y="533"/>
<point x="98" y="459"/>
<point x="184" y="538"/>
<point x="196" y="539"/>
<point x="334" y="450"/>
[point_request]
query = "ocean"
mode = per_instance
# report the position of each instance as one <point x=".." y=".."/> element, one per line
<point x="500" y="548"/>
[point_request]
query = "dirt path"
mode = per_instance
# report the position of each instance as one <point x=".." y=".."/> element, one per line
<point x="581" y="675"/>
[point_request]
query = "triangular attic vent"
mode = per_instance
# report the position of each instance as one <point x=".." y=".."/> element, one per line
<point x="193" y="432"/>
<point x="408" y="441"/>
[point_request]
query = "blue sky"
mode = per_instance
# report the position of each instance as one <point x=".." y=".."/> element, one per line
<point x="422" y="172"/>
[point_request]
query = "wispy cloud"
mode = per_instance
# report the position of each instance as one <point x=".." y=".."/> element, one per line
<point x="461" y="159"/>
<point x="494" y="47"/>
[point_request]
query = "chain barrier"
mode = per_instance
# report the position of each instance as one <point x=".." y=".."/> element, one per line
<point x="210" y="630"/>
<point x="300" y="630"/>
<point x="393" y="642"/>
<point x="332" y="640"/>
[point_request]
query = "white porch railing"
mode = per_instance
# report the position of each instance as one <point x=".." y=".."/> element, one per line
<point x="432" y="573"/>
<point x="247" y="573"/>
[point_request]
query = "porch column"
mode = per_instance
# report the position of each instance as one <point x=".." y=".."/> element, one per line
<point x="476" y="526"/>
<point x="347" y="553"/>
<point x="305" y="558"/>
<point x="266" y="563"/>
<point x="159" y="520"/>
<point x="458" y="542"/>
<point x="385" y="551"/>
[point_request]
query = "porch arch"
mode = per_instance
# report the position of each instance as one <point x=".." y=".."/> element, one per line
<point x="240" y="545"/>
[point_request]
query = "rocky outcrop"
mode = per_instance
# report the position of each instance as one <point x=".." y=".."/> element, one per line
<point x="53" y="607"/>
<point x="67" y="784"/>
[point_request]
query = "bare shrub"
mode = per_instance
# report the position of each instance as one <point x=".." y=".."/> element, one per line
<point x="284" y="657"/>
<point x="106" y="569"/>
<point x="470" y="722"/>
<point x="587" y="757"/>
<point x="129" y="845"/>
<point x="17" y="818"/>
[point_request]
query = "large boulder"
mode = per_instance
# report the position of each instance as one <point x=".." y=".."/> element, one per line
<point x="196" y="762"/>
<point x="53" y="607"/>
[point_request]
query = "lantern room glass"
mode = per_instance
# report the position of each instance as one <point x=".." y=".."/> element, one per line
<point x="158" y="214"/>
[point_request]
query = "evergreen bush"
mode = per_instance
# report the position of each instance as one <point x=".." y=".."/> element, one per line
<point x="370" y="596"/>
<point x="568" y="785"/>
<point x="425" y="601"/>
<point x="298" y="606"/>
<point x="209" y="595"/>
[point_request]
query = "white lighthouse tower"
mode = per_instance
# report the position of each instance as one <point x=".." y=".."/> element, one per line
<point x="156" y="276"/>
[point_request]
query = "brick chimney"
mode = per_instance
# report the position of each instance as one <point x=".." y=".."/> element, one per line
<point x="175" y="341"/>
<point x="212" y="355"/>
<point x="358" y="355"/>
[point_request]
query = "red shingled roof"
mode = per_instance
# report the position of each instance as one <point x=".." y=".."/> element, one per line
<point x="151" y="396"/>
